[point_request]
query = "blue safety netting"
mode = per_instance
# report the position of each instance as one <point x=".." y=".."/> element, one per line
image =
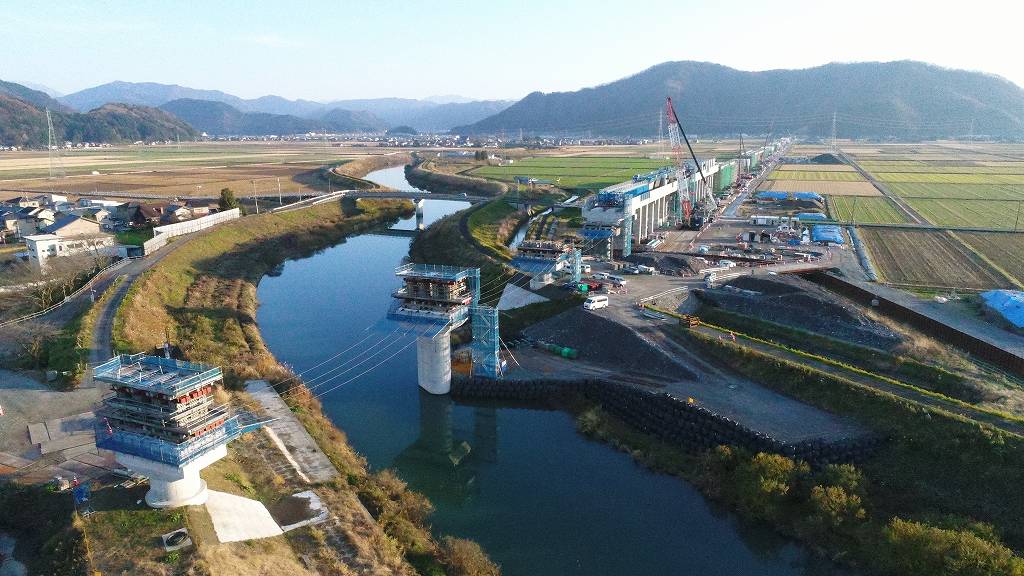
<point x="827" y="233"/>
<point x="595" y="233"/>
<point x="1008" y="303"/>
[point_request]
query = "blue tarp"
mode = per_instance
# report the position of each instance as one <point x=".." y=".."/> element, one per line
<point x="772" y="195"/>
<point x="827" y="233"/>
<point x="811" y="216"/>
<point x="1008" y="303"/>
<point x="595" y="233"/>
<point x="808" y="196"/>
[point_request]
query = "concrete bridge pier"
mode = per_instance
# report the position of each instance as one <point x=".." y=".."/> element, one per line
<point x="434" y="362"/>
<point x="419" y="214"/>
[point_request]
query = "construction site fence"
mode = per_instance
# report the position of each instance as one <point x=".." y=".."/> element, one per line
<point x="969" y="343"/>
<point x="161" y="234"/>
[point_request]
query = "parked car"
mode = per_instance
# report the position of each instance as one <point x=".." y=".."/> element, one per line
<point x="726" y="264"/>
<point x="596" y="302"/>
<point x="599" y="276"/>
<point x="585" y="268"/>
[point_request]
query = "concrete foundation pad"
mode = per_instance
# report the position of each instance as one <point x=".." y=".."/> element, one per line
<point x="236" y="518"/>
<point x="37" y="433"/>
<point x="66" y="442"/>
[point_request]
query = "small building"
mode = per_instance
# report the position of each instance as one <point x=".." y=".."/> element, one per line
<point x="146" y="215"/>
<point x="43" y="247"/>
<point x="1007" y="304"/>
<point x="200" y="207"/>
<point x="33" y="219"/>
<point x="73" y="226"/>
<point x="21" y="202"/>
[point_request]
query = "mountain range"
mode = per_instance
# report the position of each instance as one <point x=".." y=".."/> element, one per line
<point x="218" y="118"/>
<point x="23" y="121"/>
<point x="437" y="113"/>
<point x="902" y="99"/>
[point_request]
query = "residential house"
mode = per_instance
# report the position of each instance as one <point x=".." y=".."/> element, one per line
<point x="21" y="202"/>
<point x="146" y="215"/>
<point x="73" y="226"/>
<point x="32" y="220"/>
<point x="201" y="207"/>
<point x="176" y="213"/>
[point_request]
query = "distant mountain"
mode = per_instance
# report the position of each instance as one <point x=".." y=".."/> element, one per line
<point x="23" y="121"/>
<point x="448" y="99"/>
<point x="142" y="93"/>
<point x="445" y="116"/>
<point x="36" y="98"/>
<point x="902" y="99"/>
<point x="52" y="93"/>
<point x="436" y="114"/>
<point x="218" y="118"/>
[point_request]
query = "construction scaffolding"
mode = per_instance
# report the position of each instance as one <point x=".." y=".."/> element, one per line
<point x="486" y="358"/>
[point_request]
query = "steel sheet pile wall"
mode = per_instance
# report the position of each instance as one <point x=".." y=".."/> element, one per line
<point x="688" y="426"/>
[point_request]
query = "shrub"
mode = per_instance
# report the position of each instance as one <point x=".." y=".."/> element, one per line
<point x="466" y="558"/>
<point x="912" y="549"/>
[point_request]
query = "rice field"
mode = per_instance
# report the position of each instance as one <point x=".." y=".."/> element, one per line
<point x="573" y="172"/>
<point x="928" y="259"/>
<point x="948" y="178"/>
<point x="1002" y="250"/>
<point x="865" y="210"/>
<point x="999" y="214"/>
<point x="863" y="188"/>
<point x="961" y="191"/>
<point x="818" y="175"/>
<point x="817" y="167"/>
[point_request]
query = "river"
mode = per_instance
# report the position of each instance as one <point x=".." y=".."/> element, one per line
<point x="540" y="498"/>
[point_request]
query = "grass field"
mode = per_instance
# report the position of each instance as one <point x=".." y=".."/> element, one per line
<point x="999" y="214"/>
<point x="865" y="209"/>
<point x="573" y="172"/>
<point x="928" y="258"/>
<point x="1004" y="251"/>
<point x="964" y="191"/>
<point x="862" y="188"/>
<point x="818" y="175"/>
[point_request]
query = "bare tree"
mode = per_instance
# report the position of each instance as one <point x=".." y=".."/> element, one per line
<point x="28" y="341"/>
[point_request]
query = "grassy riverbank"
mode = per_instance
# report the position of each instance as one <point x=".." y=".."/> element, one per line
<point x="203" y="295"/>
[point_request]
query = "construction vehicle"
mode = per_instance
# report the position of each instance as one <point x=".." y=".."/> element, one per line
<point x="698" y="204"/>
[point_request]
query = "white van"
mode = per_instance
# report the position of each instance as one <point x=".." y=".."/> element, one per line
<point x="617" y="280"/>
<point x="726" y="264"/>
<point x="600" y="276"/>
<point x="585" y="268"/>
<point x="596" y="303"/>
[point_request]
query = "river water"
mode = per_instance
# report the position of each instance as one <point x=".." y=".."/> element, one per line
<point x="540" y="498"/>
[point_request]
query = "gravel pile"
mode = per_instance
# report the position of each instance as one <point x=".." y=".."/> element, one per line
<point x="667" y="263"/>
<point x="804" y="305"/>
<point x="603" y="341"/>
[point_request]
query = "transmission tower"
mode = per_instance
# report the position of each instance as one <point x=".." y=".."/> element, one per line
<point x="53" y="147"/>
<point x="834" y="147"/>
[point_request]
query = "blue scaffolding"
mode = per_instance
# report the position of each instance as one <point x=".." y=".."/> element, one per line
<point x="486" y="356"/>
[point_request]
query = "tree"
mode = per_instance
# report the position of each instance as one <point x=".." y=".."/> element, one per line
<point x="916" y="549"/>
<point x="466" y="558"/>
<point x="763" y="483"/>
<point x="227" y="199"/>
<point x="835" y="508"/>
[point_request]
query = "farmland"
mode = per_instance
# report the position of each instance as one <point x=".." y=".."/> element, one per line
<point x="815" y="168"/>
<point x="948" y="178"/>
<point x="928" y="258"/>
<point x="865" y="209"/>
<point x="572" y="172"/>
<point x="998" y="214"/>
<point x="963" y="191"/>
<point x="863" y="188"/>
<point x="819" y="175"/>
<point x="1005" y="251"/>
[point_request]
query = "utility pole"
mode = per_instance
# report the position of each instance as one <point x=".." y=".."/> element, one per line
<point x="279" y="202"/>
<point x="254" y="199"/>
<point x="1017" y="221"/>
<point x="54" y="146"/>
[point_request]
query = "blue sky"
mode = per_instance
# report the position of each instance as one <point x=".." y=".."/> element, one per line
<point x="482" y="48"/>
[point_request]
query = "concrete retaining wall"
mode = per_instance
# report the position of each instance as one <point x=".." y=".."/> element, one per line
<point x="691" y="427"/>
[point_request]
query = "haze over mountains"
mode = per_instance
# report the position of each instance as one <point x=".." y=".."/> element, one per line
<point x="872" y="100"/>
<point x="902" y="100"/>
<point x="438" y="113"/>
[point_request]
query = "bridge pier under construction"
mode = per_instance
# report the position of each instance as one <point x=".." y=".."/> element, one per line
<point x="434" y="300"/>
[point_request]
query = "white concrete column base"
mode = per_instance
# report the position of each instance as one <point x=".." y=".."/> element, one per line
<point x="434" y="363"/>
<point x="173" y="486"/>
